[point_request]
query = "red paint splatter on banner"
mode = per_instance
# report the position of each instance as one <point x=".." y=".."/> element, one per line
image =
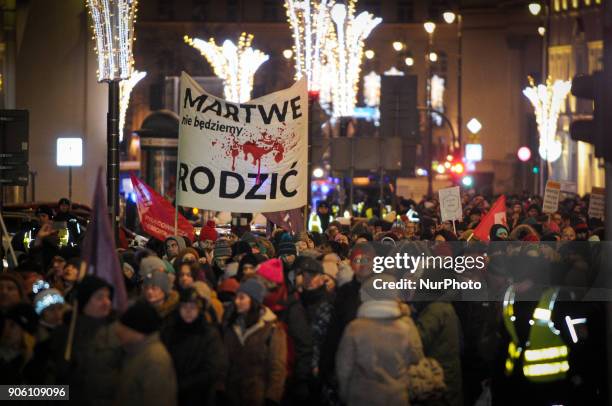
<point x="259" y="148"/>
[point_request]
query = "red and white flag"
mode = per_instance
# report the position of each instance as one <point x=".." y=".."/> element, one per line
<point x="156" y="214"/>
<point x="497" y="215"/>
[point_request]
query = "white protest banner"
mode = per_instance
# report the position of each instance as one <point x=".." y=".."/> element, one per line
<point x="243" y="157"/>
<point x="551" y="197"/>
<point x="597" y="202"/>
<point x="569" y="187"/>
<point x="450" y="204"/>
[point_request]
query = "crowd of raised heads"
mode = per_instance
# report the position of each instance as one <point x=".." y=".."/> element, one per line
<point x="284" y="319"/>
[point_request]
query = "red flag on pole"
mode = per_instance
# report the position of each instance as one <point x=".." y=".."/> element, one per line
<point x="156" y="214"/>
<point x="497" y="215"/>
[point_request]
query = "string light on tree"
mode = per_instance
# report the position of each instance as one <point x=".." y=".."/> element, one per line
<point x="371" y="89"/>
<point x="349" y="34"/>
<point x="235" y="64"/>
<point x="310" y="22"/>
<point x="125" y="91"/>
<point x="547" y="101"/>
<point x="113" y="27"/>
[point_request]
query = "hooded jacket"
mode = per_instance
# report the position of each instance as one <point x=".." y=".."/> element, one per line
<point x="180" y="242"/>
<point x="370" y="370"/>
<point x="257" y="359"/>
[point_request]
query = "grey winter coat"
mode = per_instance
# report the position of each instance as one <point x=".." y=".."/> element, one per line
<point x="374" y="355"/>
<point x="147" y="377"/>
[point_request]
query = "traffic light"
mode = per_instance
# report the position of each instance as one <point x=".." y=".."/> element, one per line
<point x="592" y="88"/>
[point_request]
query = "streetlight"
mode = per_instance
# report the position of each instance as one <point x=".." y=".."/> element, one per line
<point x="318" y="172"/>
<point x="287" y="53"/>
<point x="369" y="54"/>
<point x="433" y="57"/>
<point x="449" y="17"/>
<point x="535" y="8"/>
<point x="430" y="27"/>
<point x="409" y="61"/>
<point x="474" y="126"/>
<point x="113" y="27"/>
<point x="398" y="46"/>
<point x="542" y="31"/>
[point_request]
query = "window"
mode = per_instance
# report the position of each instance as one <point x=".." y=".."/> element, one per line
<point x="437" y="8"/>
<point x="199" y="10"/>
<point x="233" y="10"/>
<point x="271" y="10"/>
<point x="405" y="11"/>
<point x="165" y="10"/>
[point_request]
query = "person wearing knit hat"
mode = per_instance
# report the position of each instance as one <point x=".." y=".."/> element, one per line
<point x="147" y="375"/>
<point x="209" y="232"/>
<point x="253" y="329"/>
<point x="246" y="266"/>
<point x="227" y="291"/>
<point x="151" y="264"/>
<point x="363" y="355"/>
<point x="287" y="252"/>
<point x="240" y="249"/>
<point x="249" y="238"/>
<point x="12" y="289"/>
<point x="254" y="289"/>
<point x="582" y="231"/>
<point x="271" y="270"/>
<point x="222" y="250"/>
<point x="172" y="246"/>
<point x="157" y="291"/>
<point x="50" y="306"/>
<point x="94" y="297"/>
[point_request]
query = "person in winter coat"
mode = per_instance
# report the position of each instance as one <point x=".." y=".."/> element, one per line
<point x="317" y="301"/>
<point x="376" y="350"/>
<point x="93" y="369"/>
<point x="17" y="329"/>
<point x="157" y="291"/>
<point x="439" y="328"/>
<point x="257" y="350"/>
<point x="292" y="319"/>
<point x="147" y="375"/>
<point x="49" y="305"/>
<point x="197" y="351"/>
<point x="12" y="290"/>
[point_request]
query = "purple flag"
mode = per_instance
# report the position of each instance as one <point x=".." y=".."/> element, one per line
<point x="290" y="220"/>
<point x="98" y="248"/>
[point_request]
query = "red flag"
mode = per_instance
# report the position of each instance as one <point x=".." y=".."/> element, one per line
<point x="156" y="214"/>
<point x="98" y="249"/>
<point x="497" y="215"/>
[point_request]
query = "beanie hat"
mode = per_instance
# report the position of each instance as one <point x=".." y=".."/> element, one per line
<point x="581" y="228"/>
<point x="286" y="248"/>
<point x="47" y="298"/>
<point x="272" y="270"/>
<point x="209" y="232"/>
<point x="24" y="315"/>
<point x="308" y="265"/>
<point x="222" y="249"/>
<point x="159" y="279"/>
<point x="241" y="247"/>
<point x="254" y="289"/>
<point x="89" y="285"/>
<point x="249" y="238"/>
<point x="150" y="264"/>
<point x="141" y="317"/>
<point x="369" y="293"/>
<point x="229" y="285"/>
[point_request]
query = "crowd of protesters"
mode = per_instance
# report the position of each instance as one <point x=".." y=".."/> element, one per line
<point x="288" y="319"/>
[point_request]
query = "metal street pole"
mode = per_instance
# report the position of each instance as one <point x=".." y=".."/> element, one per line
<point x="112" y="160"/>
<point x="459" y="77"/>
<point x="429" y="123"/>
<point x="544" y="173"/>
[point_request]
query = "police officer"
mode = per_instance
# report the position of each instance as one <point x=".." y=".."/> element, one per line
<point x="319" y="221"/>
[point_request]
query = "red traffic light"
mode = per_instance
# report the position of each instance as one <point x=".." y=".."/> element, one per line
<point x="458" y="168"/>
